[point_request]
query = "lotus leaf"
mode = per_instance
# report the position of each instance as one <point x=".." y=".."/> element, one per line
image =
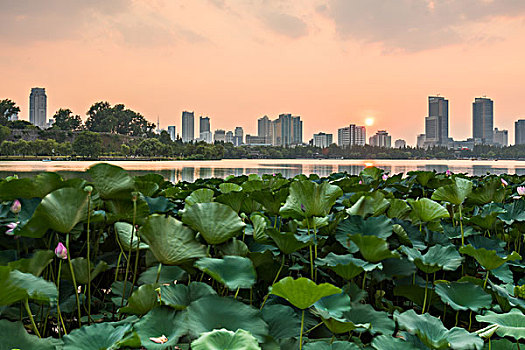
<point x="14" y="336"/>
<point x="161" y="321"/>
<point x="179" y="296"/>
<point x="271" y="201"/>
<point x="17" y="286"/>
<point x="95" y="337"/>
<point x="170" y="241"/>
<point x="379" y="321"/>
<point x="307" y="199"/>
<point x="123" y="230"/>
<point x="336" y="345"/>
<point x="333" y="306"/>
<point x="463" y="296"/>
<point x="371" y="204"/>
<point x="111" y="181"/>
<point x="260" y="223"/>
<point x="380" y="226"/>
<point x="455" y="193"/>
<point x="489" y="259"/>
<point x="80" y="266"/>
<point x="347" y="266"/>
<point x="220" y="339"/>
<point x="168" y="274"/>
<point x="511" y="324"/>
<point x="514" y="211"/>
<point x="35" y="264"/>
<point x="489" y="191"/>
<point x="282" y="320"/>
<point x="426" y="210"/>
<point x="436" y="258"/>
<point x="202" y="195"/>
<point x="232" y="271"/>
<point x="340" y="325"/>
<point x="227" y="187"/>
<point x="141" y="301"/>
<point x="216" y="222"/>
<point x="213" y="312"/>
<point x="372" y="248"/>
<point x="286" y="241"/>
<point x="302" y="292"/>
<point x="385" y="342"/>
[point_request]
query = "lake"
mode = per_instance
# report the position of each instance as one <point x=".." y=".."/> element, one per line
<point x="191" y="170"/>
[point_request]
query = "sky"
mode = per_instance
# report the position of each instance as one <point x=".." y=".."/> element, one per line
<point x="333" y="62"/>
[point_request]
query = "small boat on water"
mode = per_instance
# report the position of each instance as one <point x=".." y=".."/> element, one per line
<point x="46" y="160"/>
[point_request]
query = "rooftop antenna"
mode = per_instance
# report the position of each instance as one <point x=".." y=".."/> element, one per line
<point x="158" y="123"/>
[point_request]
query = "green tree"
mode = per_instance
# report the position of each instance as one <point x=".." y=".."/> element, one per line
<point x="65" y="120"/>
<point x="118" y="120"/>
<point x="4" y="133"/>
<point x="88" y="144"/>
<point x="7" y="108"/>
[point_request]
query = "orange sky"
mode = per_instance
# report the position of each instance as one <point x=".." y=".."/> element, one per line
<point x="333" y="62"/>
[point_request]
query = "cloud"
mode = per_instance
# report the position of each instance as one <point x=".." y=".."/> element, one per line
<point x="285" y="24"/>
<point x="414" y="25"/>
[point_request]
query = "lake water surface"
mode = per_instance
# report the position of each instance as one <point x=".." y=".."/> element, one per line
<point x="191" y="170"/>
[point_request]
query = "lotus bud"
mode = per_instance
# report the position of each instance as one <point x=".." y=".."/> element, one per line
<point x="11" y="227"/>
<point x="61" y="251"/>
<point x="360" y="182"/>
<point x="504" y="183"/>
<point x="448" y="172"/>
<point x="88" y="189"/>
<point x="16" y="207"/>
<point x="521" y="190"/>
<point x="384" y="177"/>
<point x="134" y="196"/>
<point x="302" y="208"/>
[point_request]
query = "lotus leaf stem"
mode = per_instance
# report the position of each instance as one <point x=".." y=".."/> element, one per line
<point x="425" y="299"/>
<point x="469" y="320"/>
<point x="158" y="273"/>
<point x="364" y="281"/>
<point x="137" y="255"/>
<point x="301" y="335"/>
<point x="486" y="279"/>
<point x="237" y="292"/>
<point x="129" y="251"/>
<point x="58" y="300"/>
<point x="30" y="314"/>
<point x="89" y="261"/>
<point x="461" y="226"/>
<point x="74" y="279"/>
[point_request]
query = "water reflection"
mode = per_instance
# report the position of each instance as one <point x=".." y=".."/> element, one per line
<point x="191" y="170"/>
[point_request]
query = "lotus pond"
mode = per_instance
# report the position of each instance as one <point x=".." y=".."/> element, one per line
<point x="423" y="260"/>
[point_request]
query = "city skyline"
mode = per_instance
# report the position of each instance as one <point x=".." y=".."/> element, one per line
<point x="235" y="61"/>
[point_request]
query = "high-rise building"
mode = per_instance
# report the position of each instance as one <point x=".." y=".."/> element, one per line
<point x="483" y="120"/>
<point x="265" y="128"/>
<point x="400" y="143"/>
<point x="287" y="130"/>
<point x="219" y="135"/>
<point x="229" y="137"/>
<point x="519" y="132"/>
<point x="381" y="139"/>
<point x="204" y="124"/>
<point x="501" y="137"/>
<point x="172" y="131"/>
<point x="188" y="125"/>
<point x="351" y="135"/>
<point x="322" y="140"/>
<point x="238" y="136"/>
<point x="38" y="107"/>
<point x="421" y="138"/>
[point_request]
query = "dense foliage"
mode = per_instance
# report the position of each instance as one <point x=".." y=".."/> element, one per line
<point x="422" y="261"/>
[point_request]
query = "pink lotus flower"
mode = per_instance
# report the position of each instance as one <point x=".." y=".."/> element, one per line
<point x="384" y="177"/>
<point x="61" y="251"/>
<point x="360" y="182"/>
<point x="16" y="207"/>
<point x="11" y="227"/>
<point x="521" y="190"/>
<point x="159" y="340"/>
<point x="504" y="183"/>
<point x="448" y="172"/>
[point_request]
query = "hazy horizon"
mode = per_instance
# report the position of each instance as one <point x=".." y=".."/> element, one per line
<point x="332" y="62"/>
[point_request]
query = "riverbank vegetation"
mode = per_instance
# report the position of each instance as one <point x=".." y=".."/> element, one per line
<point x="374" y="261"/>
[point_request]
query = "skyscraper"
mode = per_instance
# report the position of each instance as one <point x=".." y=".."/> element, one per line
<point x="519" y="132"/>
<point x="381" y="139"/>
<point x="436" y="123"/>
<point x="172" y="131"/>
<point x="188" y="126"/>
<point x="38" y="107"/>
<point x="238" y="136"/>
<point x="265" y="128"/>
<point x="287" y="130"/>
<point x="322" y="140"/>
<point x="501" y="137"/>
<point x="204" y="124"/>
<point x="351" y="135"/>
<point x="219" y="135"/>
<point x="483" y="120"/>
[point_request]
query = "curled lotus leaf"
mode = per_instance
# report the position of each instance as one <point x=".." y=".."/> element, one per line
<point x="302" y="292"/>
<point x="219" y="339"/>
<point x="511" y="324"/>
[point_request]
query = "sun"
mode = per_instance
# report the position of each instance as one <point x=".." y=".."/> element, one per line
<point x="369" y="121"/>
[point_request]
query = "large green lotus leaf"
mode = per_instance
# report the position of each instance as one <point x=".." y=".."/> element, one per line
<point x="346" y="266"/>
<point x="143" y="299"/>
<point x="426" y="210"/>
<point x="17" y="286"/>
<point x="371" y="173"/>
<point x="202" y="195"/>
<point x="213" y="312"/>
<point x="422" y="177"/>
<point x="227" y="187"/>
<point x="14" y="336"/>
<point x="386" y="342"/>
<point x="463" y="296"/>
<point x="111" y="181"/>
<point x="282" y="320"/>
<point x="371" y="204"/>
<point x="168" y="274"/>
<point x="147" y="188"/>
<point x="416" y="294"/>
<point x="490" y="191"/>
<point x="307" y="199"/>
<point x="302" y="292"/>
<point x="489" y="259"/>
<point x="216" y="222"/>
<point x="60" y="210"/>
<point x="122" y="210"/>
<point x="333" y="306"/>
<point x="286" y="241"/>
<point x="170" y="241"/>
<point x="179" y="296"/>
<point x="234" y="247"/>
<point x="123" y="230"/>
<point x="339" y="326"/>
<point x="505" y="298"/>
<point x="35" y="264"/>
<point x="336" y="345"/>
<point x="515" y="211"/>
<point x="161" y="321"/>
<point x="159" y="204"/>
<point x="220" y="339"/>
<point x="16" y="189"/>
<point x="271" y="201"/>
<point x="260" y="223"/>
<point x="232" y="271"/>
<point x="511" y="324"/>
<point x="380" y="226"/>
<point x="365" y="314"/>
<point x="398" y="209"/>
<point x="372" y="248"/>
<point x="80" y="266"/>
<point x="433" y="334"/>
<point x="454" y="193"/>
<point x="45" y="183"/>
<point x="501" y="344"/>
<point x="95" y="337"/>
<point x="436" y="258"/>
